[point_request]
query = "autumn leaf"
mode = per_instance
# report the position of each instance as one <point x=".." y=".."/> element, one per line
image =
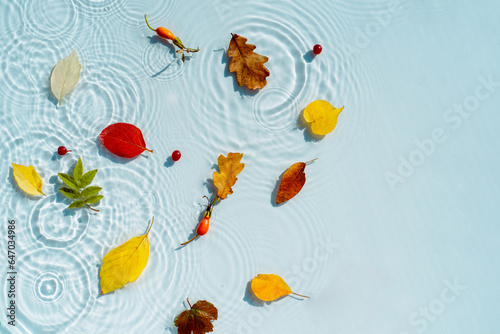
<point x="229" y="167"/>
<point x="321" y="116"/>
<point x="292" y="182"/>
<point x="198" y="319"/>
<point x="124" y="263"/>
<point x="28" y="179"/>
<point x="248" y="65"/>
<point x="123" y="139"/>
<point x="65" y="75"/>
<point x="269" y="287"/>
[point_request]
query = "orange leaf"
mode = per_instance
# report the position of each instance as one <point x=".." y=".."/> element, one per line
<point x="248" y="65"/>
<point x="292" y="182"/>
<point x="229" y="167"/>
<point x="269" y="287"/>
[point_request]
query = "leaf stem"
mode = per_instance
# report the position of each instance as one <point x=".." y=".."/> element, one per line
<point x="299" y="295"/>
<point x="152" y="222"/>
<point x="145" y="17"/>
<point x="310" y="161"/>
<point x="83" y="199"/>
<point x="147" y="149"/>
<point x="185" y="243"/>
<point x="189" y="303"/>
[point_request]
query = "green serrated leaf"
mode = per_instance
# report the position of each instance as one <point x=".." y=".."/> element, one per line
<point x="76" y="204"/>
<point x="94" y="199"/>
<point x="78" y="171"/>
<point x="87" y="178"/>
<point x="69" y="180"/>
<point x="70" y="193"/>
<point x="90" y="191"/>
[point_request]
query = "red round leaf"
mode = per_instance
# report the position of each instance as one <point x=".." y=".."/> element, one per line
<point x="123" y="139"/>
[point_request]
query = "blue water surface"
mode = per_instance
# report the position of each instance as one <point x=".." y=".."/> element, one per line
<point x="395" y="231"/>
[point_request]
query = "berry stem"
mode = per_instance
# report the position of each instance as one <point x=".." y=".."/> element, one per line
<point x="145" y="16"/>
<point x="185" y="243"/>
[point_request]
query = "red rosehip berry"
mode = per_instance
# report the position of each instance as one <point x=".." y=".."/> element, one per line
<point x="317" y="49"/>
<point x="176" y="155"/>
<point x="61" y="150"/>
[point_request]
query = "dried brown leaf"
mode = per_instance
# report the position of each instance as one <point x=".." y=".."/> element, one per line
<point x="229" y="167"/>
<point x="197" y="320"/>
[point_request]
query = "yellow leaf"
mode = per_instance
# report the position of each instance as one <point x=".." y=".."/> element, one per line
<point x="65" y="75"/>
<point x="28" y="179"/>
<point x="269" y="287"/>
<point x="229" y="167"/>
<point x="124" y="263"/>
<point x="322" y="117"/>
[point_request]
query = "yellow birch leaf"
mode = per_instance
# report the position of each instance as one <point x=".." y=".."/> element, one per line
<point x="321" y="116"/>
<point x="269" y="287"/>
<point x="28" y="179"/>
<point x="65" y="75"/>
<point x="124" y="263"/>
<point x="229" y="167"/>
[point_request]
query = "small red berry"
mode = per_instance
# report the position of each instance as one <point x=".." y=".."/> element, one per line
<point x="317" y="49"/>
<point x="176" y="155"/>
<point x="62" y="150"/>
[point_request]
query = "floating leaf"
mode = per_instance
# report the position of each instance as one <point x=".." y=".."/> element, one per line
<point x="321" y="116"/>
<point x="269" y="287"/>
<point x="76" y="204"/>
<point x="123" y="139"/>
<point x="69" y="180"/>
<point x="84" y="196"/>
<point x="28" y="179"/>
<point x="125" y="263"/>
<point x="292" y="182"/>
<point x="248" y="65"/>
<point x="78" y="171"/>
<point x="87" y="178"/>
<point x="65" y="75"/>
<point x="229" y="167"/>
<point x="70" y="193"/>
<point x="90" y="191"/>
<point x="197" y="320"/>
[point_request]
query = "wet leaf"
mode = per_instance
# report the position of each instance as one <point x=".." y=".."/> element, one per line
<point x="28" y="179"/>
<point x="123" y="139"/>
<point x="70" y="193"/>
<point x="248" y="65"/>
<point x="125" y="263"/>
<point x="321" y="116"/>
<point x="90" y="191"/>
<point x="76" y="204"/>
<point x="197" y="320"/>
<point x="87" y="178"/>
<point x="269" y="287"/>
<point x="65" y="75"/>
<point x="69" y="180"/>
<point x="229" y="167"/>
<point x="78" y="171"/>
<point x="292" y="182"/>
<point x="93" y="199"/>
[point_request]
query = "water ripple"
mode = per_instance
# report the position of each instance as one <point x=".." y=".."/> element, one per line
<point x="50" y="18"/>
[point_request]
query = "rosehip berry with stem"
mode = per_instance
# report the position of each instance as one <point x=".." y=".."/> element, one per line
<point x="317" y="49"/>
<point x="61" y="150"/>
<point x="176" y="155"/>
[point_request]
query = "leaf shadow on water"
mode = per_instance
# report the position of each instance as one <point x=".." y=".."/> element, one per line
<point x="242" y="90"/>
<point x="158" y="40"/>
<point x="103" y="152"/>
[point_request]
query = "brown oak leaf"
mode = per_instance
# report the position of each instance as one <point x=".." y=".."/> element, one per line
<point x="198" y="319"/>
<point x="229" y="167"/>
<point x="248" y="65"/>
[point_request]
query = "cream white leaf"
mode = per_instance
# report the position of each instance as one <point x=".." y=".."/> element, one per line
<point x="65" y="75"/>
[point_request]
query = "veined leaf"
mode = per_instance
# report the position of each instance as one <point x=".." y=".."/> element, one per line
<point x="292" y="182"/>
<point x="321" y="116"/>
<point x="87" y="178"/>
<point x="248" y="65"/>
<point x="76" y="204"/>
<point x="197" y="320"/>
<point x="78" y="171"/>
<point x="94" y="199"/>
<point x="269" y="287"/>
<point x="90" y="191"/>
<point x="69" y="180"/>
<point x="28" y="179"/>
<point x="125" y="263"/>
<point x="123" y="139"/>
<point x="70" y="193"/>
<point x="65" y="75"/>
<point x="229" y="167"/>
